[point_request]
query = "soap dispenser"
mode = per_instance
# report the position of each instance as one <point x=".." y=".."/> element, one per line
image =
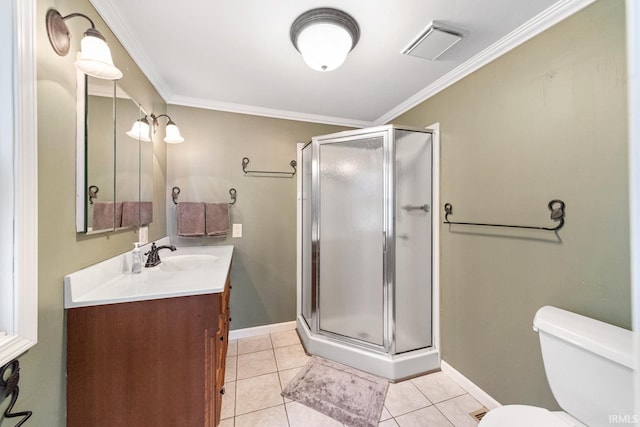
<point x="136" y="259"/>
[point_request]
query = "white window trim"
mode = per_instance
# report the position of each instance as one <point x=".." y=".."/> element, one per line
<point x="25" y="212"/>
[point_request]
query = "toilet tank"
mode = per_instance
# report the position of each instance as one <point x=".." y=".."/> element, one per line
<point x="589" y="366"/>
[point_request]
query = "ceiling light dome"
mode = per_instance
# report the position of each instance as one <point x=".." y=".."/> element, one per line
<point x="324" y="37"/>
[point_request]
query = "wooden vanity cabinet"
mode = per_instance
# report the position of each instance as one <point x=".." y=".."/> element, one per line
<point x="155" y="363"/>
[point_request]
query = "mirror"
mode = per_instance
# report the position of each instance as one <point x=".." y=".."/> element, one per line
<point x="114" y="171"/>
<point x="98" y="167"/>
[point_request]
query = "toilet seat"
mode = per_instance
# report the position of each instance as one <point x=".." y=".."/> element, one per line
<point x="522" y="416"/>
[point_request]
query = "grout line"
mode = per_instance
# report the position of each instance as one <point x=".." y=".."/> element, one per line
<point x="286" y="412"/>
<point x="455" y="397"/>
<point x="235" y="394"/>
<point x="418" y="388"/>
<point x="258" y="410"/>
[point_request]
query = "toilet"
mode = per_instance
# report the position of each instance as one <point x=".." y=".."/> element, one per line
<point x="589" y="367"/>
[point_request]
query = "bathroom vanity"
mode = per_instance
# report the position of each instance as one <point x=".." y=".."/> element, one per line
<point x="154" y="357"/>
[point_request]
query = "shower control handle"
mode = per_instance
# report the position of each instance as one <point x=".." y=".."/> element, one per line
<point x="424" y="207"/>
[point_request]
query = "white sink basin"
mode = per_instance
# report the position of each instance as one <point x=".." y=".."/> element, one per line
<point x="188" y="271"/>
<point x="188" y="262"/>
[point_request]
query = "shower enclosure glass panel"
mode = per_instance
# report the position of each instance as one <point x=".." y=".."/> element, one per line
<point x="413" y="236"/>
<point x="308" y="300"/>
<point x="351" y="194"/>
<point x="366" y="229"/>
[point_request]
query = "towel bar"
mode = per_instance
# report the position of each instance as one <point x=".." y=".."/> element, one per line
<point x="556" y="207"/>
<point x="175" y="191"/>
<point x="270" y="174"/>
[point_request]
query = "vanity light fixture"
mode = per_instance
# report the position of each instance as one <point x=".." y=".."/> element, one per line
<point x="172" y="132"/>
<point x="140" y="130"/>
<point x="95" y="57"/>
<point x="324" y="36"/>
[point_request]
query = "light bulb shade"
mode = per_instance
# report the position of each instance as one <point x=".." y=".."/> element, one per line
<point x="140" y="130"/>
<point x="324" y="37"/>
<point x="173" y="134"/>
<point x="95" y="57"/>
<point x="324" y="46"/>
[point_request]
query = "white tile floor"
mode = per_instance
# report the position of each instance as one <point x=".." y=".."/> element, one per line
<point x="259" y="368"/>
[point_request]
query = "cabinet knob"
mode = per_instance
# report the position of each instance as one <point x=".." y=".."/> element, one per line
<point x="222" y="338"/>
<point x="222" y="391"/>
<point x="229" y="319"/>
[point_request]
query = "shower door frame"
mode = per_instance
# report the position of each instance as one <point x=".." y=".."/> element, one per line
<point x="388" y="250"/>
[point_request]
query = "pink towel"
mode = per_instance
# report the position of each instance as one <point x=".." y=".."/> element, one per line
<point x="104" y="215"/>
<point x="217" y="219"/>
<point x="190" y="219"/>
<point x="146" y="213"/>
<point x="136" y="213"/>
<point x="130" y="214"/>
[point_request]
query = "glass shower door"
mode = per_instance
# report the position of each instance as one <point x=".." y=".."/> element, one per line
<point x="350" y="195"/>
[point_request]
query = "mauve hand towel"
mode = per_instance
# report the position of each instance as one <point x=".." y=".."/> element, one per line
<point x="136" y="213"/>
<point x="146" y="213"/>
<point x="104" y="215"/>
<point x="217" y="219"/>
<point x="190" y="219"/>
<point x="130" y="214"/>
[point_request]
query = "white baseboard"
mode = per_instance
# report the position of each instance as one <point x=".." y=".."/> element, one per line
<point x="262" y="330"/>
<point x="475" y="391"/>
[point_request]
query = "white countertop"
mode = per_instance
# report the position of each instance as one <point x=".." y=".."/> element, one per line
<point x="111" y="281"/>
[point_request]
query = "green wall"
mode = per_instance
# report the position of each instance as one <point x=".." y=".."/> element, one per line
<point x="207" y="164"/>
<point x="547" y="120"/>
<point x="60" y="250"/>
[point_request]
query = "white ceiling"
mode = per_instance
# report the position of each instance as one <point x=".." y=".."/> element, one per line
<point x="237" y="55"/>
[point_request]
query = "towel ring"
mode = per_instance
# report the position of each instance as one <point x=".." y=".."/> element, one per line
<point x="175" y="191"/>
<point x="93" y="193"/>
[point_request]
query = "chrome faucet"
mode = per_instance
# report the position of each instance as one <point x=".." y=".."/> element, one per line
<point x="153" y="258"/>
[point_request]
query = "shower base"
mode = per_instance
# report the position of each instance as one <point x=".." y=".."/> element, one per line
<point x="394" y="368"/>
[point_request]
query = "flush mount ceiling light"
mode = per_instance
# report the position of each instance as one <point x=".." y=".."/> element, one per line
<point x="434" y="40"/>
<point x="95" y="56"/>
<point x="324" y="37"/>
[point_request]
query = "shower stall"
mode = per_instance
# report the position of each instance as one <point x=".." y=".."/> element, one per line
<point x="366" y="264"/>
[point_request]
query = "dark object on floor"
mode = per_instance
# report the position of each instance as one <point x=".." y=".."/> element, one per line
<point x="9" y="387"/>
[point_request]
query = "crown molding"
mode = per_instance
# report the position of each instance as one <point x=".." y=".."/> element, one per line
<point x="207" y="104"/>
<point x="527" y="31"/>
<point x="543" y="21"/>
<point x="113" y="19"/>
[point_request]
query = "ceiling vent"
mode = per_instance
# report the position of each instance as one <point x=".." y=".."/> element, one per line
<point x="435" y="40"/>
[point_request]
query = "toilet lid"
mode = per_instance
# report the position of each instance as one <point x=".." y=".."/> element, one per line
<point x="521" y="416"/>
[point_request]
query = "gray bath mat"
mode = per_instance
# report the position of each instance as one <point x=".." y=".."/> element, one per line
<point x="352" y="397"/>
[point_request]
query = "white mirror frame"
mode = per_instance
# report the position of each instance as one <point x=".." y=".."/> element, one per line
<point x="19" y="287"/>
<point x="81" y="186"/>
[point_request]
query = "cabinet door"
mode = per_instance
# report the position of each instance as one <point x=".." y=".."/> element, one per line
<point x="141" y="363"/>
